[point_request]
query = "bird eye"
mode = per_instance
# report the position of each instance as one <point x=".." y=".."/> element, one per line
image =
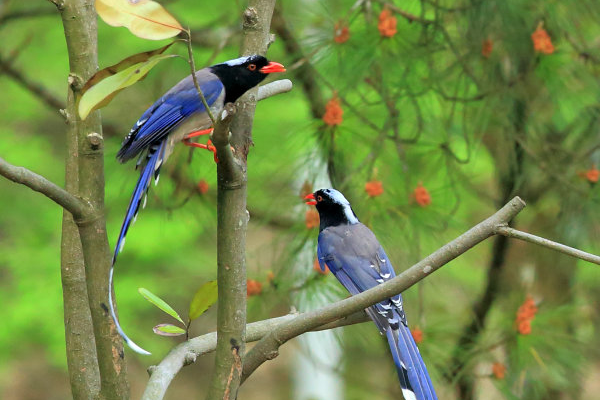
<point x="252" y="67"/>
<point x="319" y="198"/>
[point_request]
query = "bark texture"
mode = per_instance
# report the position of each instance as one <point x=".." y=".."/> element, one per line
<point x="232" y="216"/>
<point x="85" y="177"/>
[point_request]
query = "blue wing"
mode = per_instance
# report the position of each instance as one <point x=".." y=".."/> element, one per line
<point x="354" y="256"/>
<point x="167" y="112"/>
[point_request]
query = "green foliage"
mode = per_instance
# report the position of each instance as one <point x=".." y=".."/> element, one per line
<point x="205" y="297"/>
<point x="101" y="88"/>
<point x="160" y="303"/>
<point x="424" y="106"/>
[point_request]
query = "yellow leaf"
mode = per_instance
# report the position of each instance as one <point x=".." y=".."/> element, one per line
<point x="144" y="18"/>
<point x="100" y="89"/>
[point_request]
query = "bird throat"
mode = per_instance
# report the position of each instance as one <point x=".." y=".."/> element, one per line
<point x="334" y="215"/>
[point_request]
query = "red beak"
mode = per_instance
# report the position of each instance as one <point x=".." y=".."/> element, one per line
<point x="272" y="67"/>
<point x="310" y="197"/>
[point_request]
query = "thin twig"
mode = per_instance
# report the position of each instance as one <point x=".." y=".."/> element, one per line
<point x="60" y="196"/>
<point x="194" y="78"/>
<point x="528" y="237"/>
<point x="34" y="87"/>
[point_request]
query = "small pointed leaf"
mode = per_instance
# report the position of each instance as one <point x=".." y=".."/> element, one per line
<point x="160" y="303"/>
<point x="100" y="89"/>
<point x="168" y="330"/>
<point x="144" y="18"/>
<point x="205" y="297"/>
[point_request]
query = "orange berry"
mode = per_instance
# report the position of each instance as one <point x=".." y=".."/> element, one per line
<point x="374" y="188"/>
<point x="387" y="23"/>
<point x="592" y="174"/>
<point x="541" y="40"/>
<point x="499" y="370"/>
<point x="486" y="48"/>
<point x="524" y="327"/>
<point x="202" y="186"/>
<point x="333" y="112"/>
<point x="417" y="335"/>
<point x="341" y="32"/>
<point x="311" y="219"/>
<point x="253" y="287"/>
<point x="421" y="195"/>
<point x="525" y="315"/>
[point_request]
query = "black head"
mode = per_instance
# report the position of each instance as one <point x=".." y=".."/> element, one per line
<point x="333" y="208"/>
<point x="242" y="74"/>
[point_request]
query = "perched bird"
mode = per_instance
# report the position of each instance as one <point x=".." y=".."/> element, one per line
<point x="178" y="116"/>
<point x="352" y="253"/>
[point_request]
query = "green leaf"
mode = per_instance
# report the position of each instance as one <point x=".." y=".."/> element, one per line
<point x="168" y="330"/>
<point x="160" y="303"/>
<point x="100" y="89"/>
<point x="205" y="297"/>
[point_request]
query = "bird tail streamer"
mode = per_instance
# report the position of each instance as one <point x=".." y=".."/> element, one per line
<point x="151" y="169"/>
<point x="412" y="373"/>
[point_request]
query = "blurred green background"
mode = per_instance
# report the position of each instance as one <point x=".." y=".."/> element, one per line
<point x="428" y="106"/>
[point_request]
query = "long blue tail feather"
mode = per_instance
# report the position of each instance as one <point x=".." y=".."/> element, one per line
<point x="412" y="373"/>
<point x="150" y="170"/>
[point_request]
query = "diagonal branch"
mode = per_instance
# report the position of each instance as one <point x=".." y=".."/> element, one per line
<point x="268" y="347"/>
<point x="186" y="353"/>
<point x="76" y="206"/>
<point x="528" y="237"/>
<point x="272" y="333"/>
<point x="34" y="87"/>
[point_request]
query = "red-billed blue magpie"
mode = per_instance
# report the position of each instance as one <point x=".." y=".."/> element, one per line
<point x="352" y="253"/>
<point x="179" y="115"/>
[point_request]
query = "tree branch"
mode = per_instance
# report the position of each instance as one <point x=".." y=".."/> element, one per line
<point x="274" y="88"/>
<point x="186" y="353"/>
<point x="79" y="208"/>
<point x="15" y="15"/>
<point x="85" y="174"/>
<point x="38" y="90"/>
<point x="267" y="348"/>
<point x="540" y="241"/>
<point x="273" y="332"/>
<point x="232" y="217"/>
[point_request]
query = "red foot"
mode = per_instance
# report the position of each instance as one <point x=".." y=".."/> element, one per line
<point x="198" y="133"/>
<point x="208" y="146"/>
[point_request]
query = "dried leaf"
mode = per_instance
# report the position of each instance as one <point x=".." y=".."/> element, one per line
<point x="144" y="18"/>
<point x="160" y="303"/>
<point x="205" y="297"/>
<point x="168" y="330"/>
<point x="100" y="89"/>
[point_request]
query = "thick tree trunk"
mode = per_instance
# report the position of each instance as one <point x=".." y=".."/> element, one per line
<point x="232" y="218"/>
<point x="85" y="177"/>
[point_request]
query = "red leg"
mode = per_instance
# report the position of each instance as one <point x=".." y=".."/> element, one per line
<point x="198" y="133"/>
<point x="208" y="146"/>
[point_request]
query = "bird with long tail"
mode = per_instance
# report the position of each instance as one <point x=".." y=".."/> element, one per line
<point x="352" y="253"/>
<point x="180" y="115"/>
